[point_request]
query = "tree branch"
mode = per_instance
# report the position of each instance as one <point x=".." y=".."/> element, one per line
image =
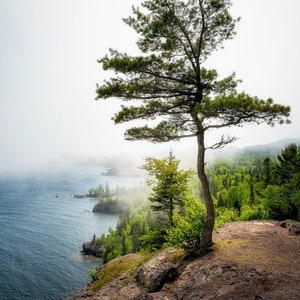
<point x="222" y="143"/>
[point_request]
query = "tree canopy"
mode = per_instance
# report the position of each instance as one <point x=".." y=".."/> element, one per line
<point x="169" y="184"/>
<point x="169" y="86"/>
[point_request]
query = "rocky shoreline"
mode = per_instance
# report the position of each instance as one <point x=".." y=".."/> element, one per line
<point x="84" y="196"/>
<point x="113" y="207"/>
<point x="92" y="249"/>
<point x="107" y="206"/>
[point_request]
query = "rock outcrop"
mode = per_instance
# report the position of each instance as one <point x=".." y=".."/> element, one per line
<point x="109" y="207"/>
<point x="293" y="227"/>
<point x="92" y="248"/>
<point x="251" y="260"/>
<point x="159" y="270"/>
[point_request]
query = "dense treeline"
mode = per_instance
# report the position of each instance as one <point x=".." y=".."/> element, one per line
<point x="259" y="187"/>
<point x="250" y="187"/>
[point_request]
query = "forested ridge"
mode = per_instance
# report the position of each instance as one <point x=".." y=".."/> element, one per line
<point x="258" y="187"/>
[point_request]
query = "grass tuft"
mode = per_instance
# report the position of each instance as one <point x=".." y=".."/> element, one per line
<point x="118" y="267"/>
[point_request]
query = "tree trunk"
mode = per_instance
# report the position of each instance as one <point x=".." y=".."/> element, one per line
<point x="171" y="210"/>
<point x="206" y="238"/>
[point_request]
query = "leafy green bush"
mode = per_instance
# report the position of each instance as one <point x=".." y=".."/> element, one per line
<point x="225" y="215"/>
<point x="249" y="213"/>
<point x="93" y="274"/>
<point x="154" y="239"/>
<point x="187" y="226"/>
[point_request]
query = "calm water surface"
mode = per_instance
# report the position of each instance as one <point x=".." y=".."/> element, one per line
<point x="42" y="228"/>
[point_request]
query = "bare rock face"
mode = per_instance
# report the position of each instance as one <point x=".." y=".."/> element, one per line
<point x="220" y="280"/>
<point x="256" y="260"/>
<point x="158" y="270"/>
<point x="117" y="289"/>
<point x="294" y="229"/>
<point x="92" y="248"/>
<point x="293" y="226"/>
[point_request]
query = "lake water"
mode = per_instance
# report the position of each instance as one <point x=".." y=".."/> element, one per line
<point x="42" y="228"/>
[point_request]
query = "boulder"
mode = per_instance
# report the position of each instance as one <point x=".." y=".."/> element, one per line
<point x="294" y="229"/>
<point x="283" y="224"/>
<point x="292" y="226"/>
<point x="158" y="270"/>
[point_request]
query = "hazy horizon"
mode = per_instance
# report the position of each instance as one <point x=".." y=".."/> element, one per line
<point x="49" y="72"/>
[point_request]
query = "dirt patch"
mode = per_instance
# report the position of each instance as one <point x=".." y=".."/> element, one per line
<point x="261" y="244"/>
<point x="251" y="260"/>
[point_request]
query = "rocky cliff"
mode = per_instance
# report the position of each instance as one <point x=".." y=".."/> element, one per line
<point x="92" y="248"/>
<point x="109" y="207"/>
<point x="251" y="260"/>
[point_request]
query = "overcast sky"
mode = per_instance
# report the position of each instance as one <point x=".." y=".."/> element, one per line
<point x="49" y="70"/>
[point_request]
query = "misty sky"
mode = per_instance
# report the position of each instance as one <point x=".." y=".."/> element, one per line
<point x="49" y="70"/>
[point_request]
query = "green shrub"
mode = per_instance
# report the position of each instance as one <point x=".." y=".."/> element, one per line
<point x="249" y="213"/>
<point x="93" y="274"/>
<point x="154" y="239"/>
<point x="225" y="215"/>
<point x="188" y="226"/>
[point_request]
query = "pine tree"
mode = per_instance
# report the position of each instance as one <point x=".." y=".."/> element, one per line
<point x="169" y="184"/>
<point x="169" y="82"/>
